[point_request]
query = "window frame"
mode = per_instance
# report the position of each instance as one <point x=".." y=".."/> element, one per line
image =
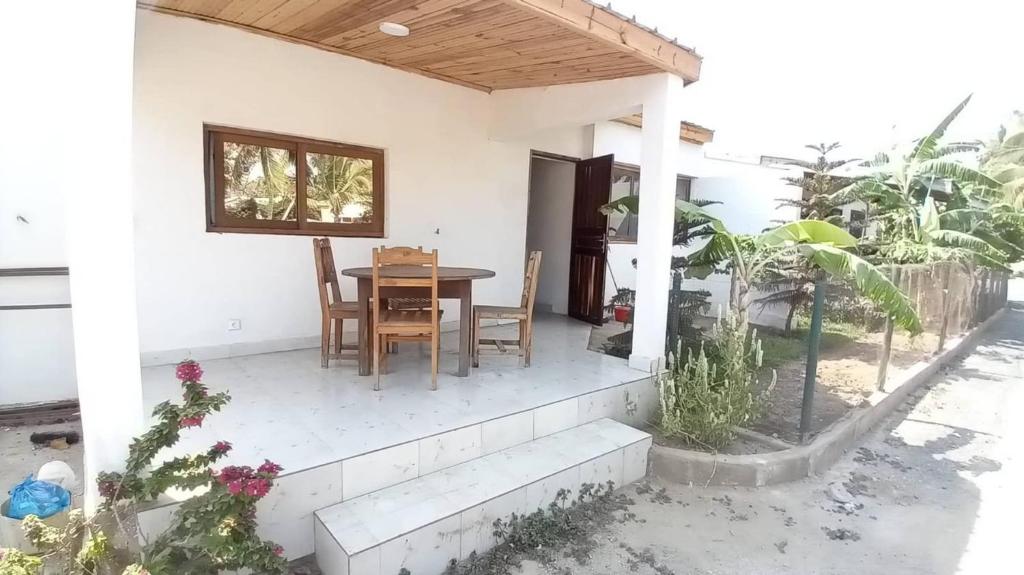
<point x="217" y="219"/>
<point x="632" y="240"/>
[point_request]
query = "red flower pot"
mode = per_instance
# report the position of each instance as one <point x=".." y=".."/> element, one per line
<point x="622" y="313"/>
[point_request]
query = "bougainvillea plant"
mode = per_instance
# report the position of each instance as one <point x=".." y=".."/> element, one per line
<point x="211" y="532"/>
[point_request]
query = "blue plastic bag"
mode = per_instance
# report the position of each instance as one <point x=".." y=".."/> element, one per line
<point x="40" y="498"/>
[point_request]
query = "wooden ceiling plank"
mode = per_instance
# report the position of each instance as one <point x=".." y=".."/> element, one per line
<point x="293" y="40"/>
<point x="282" y="13"/>
<point x="492" y="38"/>
<point x="354" y="15"/>
<point x="422" y="14"/>
<point x="594" y="21"/>
<point x="440" y="33"/>
<point x="497" y="62"/>
<point x="688" y="131"/>
<point x="525" y="51"/>
<point x="582" y="67"/>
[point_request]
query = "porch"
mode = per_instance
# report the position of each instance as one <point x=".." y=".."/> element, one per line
<point x="337" y="439"/>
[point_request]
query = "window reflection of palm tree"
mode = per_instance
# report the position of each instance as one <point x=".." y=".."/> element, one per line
<point x="336" y="182"/>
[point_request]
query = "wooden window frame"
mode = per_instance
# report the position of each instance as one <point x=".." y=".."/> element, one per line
<point x="631" y="240"/>
<point x="218" y="221"/>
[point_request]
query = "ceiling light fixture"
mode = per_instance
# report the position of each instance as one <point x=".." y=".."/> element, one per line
<point x="394" y="29"/>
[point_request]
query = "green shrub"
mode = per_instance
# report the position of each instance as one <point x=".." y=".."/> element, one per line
<point x="706" y="396"/>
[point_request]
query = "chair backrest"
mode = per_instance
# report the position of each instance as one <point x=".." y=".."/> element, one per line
<point x="530" y="281"/>
<point x="326" y="275"/>
<point x="418" y="269"/>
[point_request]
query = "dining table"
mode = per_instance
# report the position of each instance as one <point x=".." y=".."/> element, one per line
<point x="452" y="283"/>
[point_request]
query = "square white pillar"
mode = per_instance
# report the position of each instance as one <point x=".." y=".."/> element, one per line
<point x="662" y="113"/>
<point x="96" y="42"/>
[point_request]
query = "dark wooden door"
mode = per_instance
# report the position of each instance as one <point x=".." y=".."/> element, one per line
<point x="589" y="239"/>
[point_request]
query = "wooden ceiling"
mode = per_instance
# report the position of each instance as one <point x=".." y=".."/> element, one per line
<point x="688" y="132"/>
<point x="482" y="44"/>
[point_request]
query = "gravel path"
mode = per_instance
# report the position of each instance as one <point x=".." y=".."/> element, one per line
<point x="933" y="491"/>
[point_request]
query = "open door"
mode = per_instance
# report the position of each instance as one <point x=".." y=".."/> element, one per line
<point x="589" y="239"/>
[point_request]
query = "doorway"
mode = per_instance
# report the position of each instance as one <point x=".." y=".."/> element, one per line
<point x="563" y="221"/>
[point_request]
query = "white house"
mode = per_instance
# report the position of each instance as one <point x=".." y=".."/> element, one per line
<point x="117" y="144"/>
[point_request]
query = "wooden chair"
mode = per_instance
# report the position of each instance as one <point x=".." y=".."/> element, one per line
<point x="523" y="313"/>
<point x="333" y="311"/>
<point x="391" y="325"/>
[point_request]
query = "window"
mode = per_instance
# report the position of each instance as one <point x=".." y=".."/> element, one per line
<point x="268" y="183"/>
<point x="626" y="182"/>
<point x="858" y="221"/>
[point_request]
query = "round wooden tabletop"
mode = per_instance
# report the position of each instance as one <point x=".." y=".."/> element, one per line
<point x="443" y="273"/>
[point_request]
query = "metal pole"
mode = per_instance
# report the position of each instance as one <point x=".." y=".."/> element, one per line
<point x="944" y="328"/>
<point x="813" y="342"/>
<point x="883" y="363"/>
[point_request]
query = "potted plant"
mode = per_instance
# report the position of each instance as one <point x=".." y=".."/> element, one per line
<point x="621" y="305"/>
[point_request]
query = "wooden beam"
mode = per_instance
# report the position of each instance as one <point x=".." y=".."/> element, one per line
<point x="595" y="22"/>
<point x="688" y="132"/>
<point x="311" y="44"/>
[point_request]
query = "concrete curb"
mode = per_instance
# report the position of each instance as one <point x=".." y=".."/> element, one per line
<point x="698" y="468"/>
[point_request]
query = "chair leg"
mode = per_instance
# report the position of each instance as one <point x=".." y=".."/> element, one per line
<point x="325" y="341"/>
<point x="522" y="337"/>
<point x="528" y="341"/>
<point x="475" y="334"/>
<point x="385" y="346"/>
<point x="339" y="328"/>
<point x="376" y="361"/>
<point x="435" y="344"/>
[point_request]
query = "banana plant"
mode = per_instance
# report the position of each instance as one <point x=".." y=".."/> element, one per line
<point x="901" y="191"/>
<point x="823" y="245"/>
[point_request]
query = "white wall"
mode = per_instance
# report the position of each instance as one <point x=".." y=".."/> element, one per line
<point x="550" y="229"/>
<point x="749" y="193"/>
<point x="443" y="173"/>
<point x="36" y="351"/>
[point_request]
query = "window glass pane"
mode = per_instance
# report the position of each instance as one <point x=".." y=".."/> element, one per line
<point x="339" y="189"/>
<point x="625" y="183"/>
<point x="259" y="182"/>
<point x="683" y="189"/>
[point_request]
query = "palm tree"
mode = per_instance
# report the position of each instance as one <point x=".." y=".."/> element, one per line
<point x="793" y="285"/>
<point x="821" y="244"/>
<point x="335" y="182"/>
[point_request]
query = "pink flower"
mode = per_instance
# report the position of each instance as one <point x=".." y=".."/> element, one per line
<point x="196" y="421"/>
<point x="269" y="467"/>
<point x="278" y="550"/>
<point x="235" y="487"/>
<point x="220" y="448"/>
<point x="189" y="371"/>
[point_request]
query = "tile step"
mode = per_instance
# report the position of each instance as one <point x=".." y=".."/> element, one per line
<point x="423" y="523"/>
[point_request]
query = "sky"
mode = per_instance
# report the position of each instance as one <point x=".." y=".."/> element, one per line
<point x="867" y="73"/>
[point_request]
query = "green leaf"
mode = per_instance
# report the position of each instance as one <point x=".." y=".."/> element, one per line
<point x="956" y="172"/>
<point x="717" y="250"/>
<point x="868" y="280"/>
<point x="929" y="222"/>
<point x="626" y="205"/>
<point x="970" y="242"/>
<point x="925" y="149"/>
<point x="807" y="231"/>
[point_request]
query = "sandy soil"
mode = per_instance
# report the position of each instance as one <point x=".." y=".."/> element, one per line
<point x="847" y="375"/>
<point x="935" y="490"/>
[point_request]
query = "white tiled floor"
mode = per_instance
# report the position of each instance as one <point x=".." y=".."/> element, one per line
<point x="286" y="408"/>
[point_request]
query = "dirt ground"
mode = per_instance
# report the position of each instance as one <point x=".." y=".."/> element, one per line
<point x="935" y="490"/>
<point x="847" y="375"/>
<point x="19" y="458"/>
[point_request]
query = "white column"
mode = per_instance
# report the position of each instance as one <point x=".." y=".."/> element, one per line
<point x="658" y="169"/>
<point x="97" y="45"/>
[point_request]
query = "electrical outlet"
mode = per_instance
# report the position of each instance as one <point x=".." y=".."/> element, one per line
<point x="234" y="324"/>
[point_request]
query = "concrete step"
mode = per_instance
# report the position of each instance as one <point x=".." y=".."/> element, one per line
<point x="424" y="523"/>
